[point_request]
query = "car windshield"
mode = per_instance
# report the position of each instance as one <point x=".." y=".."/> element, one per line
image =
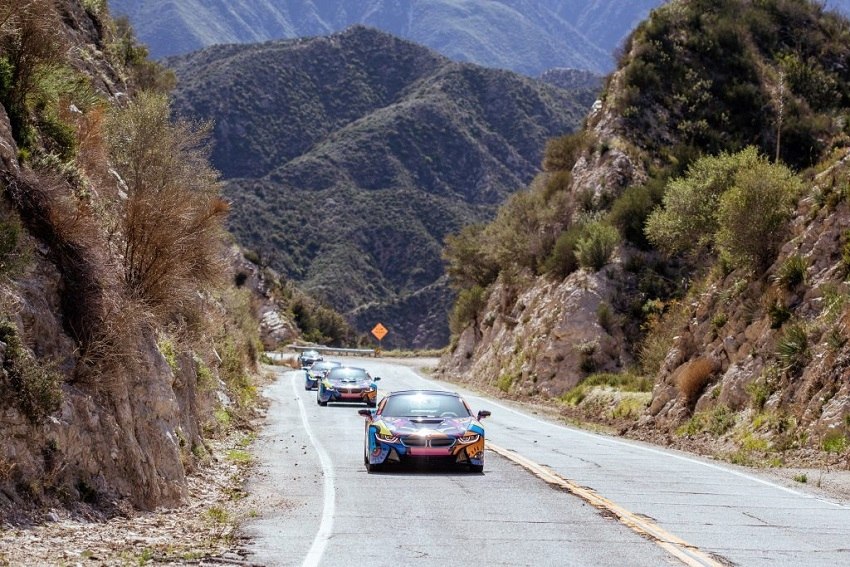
<point x="322" y="366"/>
<point x="310" y="354"/>
<point x="424" y="405"/>
<point x="348" y="374"/>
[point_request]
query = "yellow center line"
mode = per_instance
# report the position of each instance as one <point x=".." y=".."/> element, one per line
<point x="687" y="553"/>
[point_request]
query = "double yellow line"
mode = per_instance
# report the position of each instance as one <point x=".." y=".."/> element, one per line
<point x="688" y="554"/>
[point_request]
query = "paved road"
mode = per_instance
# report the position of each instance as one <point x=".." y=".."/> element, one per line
<point x="324" y="509"/>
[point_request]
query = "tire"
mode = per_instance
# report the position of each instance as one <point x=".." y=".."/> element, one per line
<point x="370" y="467"/>
<point x="478" y="469"/>
<point x="321" y="403"/>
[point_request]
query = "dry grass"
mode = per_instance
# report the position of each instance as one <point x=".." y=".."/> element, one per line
<point x="692" y="377"/>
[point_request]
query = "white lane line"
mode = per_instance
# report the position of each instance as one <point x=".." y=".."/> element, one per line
<point x="611" y="441"/>
<point x="320" y="542"/>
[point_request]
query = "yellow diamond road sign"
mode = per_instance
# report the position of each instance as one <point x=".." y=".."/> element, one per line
<point x="380" y="331"/>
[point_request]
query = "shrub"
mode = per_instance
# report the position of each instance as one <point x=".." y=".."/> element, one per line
<point x="467" y="261"/>
<point x="792" y="349"/>
<point x="778" y="313"/>
<point x="31" y="42"/>
<point x="171" y="223"/>
<point x="14" y="255"/>
<point x="759" y="393"/>
<point x="834" y="442"/>
<point x="693" y="377"/>
<point x="631" y="210"/>
<point x="737" y="203"/>
<point x="687" y="220"/>
<point x="36" y="384"/>
<point x="562" y="153"/>
<point x="470" y="303"/>
<point x="792" y="272"/>
<point x="562" y="261"/>
<point x="752" y="214"/>
<point x="596" y="244"/>
<point x="605" y="317"/>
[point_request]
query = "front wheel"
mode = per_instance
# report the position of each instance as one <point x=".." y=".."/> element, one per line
<point x="321" y="403"/>
<point x="476" y="468"/>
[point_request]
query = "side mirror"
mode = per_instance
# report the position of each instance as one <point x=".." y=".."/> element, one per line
<point x="482" y="414"/>
<point x="365" y="413"/>
<point x="376" y="378"/>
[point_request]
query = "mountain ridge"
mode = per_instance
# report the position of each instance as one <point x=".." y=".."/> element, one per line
<point x="525" y="36"/>
<point x="432" y="143"/>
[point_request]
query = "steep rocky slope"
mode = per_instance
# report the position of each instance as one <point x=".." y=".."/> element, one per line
<point x="700" y="343"/>
<point x="112" y="364"/>
<point x="349" y="158"/>
<point x="524" y="36"/>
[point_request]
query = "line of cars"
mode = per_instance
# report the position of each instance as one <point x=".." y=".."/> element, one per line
<point x="407" y="425"/>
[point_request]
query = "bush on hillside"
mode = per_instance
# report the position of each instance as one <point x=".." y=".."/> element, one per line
<point x="469" y="304"/>
<point x="170" y="225"/>
<point x="562" y="153"/>
<point x="468" y="263"/>
<point x="687" y="220"/>
<point x="597" y="242"/>
<point x="735" y="204"/>
<point x="631" y="210"/>
<point x="562" y="261"/>
<point x="30" y="42"/>
<point x="752" y="214"/>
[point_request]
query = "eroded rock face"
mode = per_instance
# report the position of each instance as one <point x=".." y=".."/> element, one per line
<point x="808" y="382"/>
<point x="550" y="339"/>
<point x="541" y="337"/>
<point x="124" y="433"/>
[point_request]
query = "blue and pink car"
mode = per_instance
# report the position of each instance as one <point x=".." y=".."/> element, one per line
<point x="424" y="425"/>
<point x="347" y="384"/>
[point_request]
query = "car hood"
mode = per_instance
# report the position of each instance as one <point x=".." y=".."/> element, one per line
<point x="454" y="426"/>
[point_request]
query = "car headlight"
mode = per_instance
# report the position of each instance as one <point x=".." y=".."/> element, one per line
<point x="469" y="438"/>
<point x="388" y="437"/>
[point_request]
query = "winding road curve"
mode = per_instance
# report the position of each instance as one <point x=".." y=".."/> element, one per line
<point x="550" y="495"/>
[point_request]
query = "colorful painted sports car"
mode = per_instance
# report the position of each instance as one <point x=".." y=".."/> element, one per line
<point x="426" y="425"/>
<point x="347" y="384"/>
<point x="308" y="357"/>
<point x="316" y="372"/>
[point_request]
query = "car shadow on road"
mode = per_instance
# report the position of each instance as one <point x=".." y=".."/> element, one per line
<point x="424" y="469"/>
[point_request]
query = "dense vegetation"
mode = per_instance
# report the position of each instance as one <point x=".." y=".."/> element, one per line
<point x="349" y="159"/>
<point x="745" y="81"/>
<point x="715" y="76"/>
<point x="526" y="36"/>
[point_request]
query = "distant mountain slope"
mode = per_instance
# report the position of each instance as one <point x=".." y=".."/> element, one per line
<point x="349" y="158"/>
<point x="526" y="36"/>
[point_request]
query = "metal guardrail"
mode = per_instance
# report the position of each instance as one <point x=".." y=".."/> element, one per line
<point x="335" y="350"/>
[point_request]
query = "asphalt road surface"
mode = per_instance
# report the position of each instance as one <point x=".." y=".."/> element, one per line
<point x="550" y="495"/>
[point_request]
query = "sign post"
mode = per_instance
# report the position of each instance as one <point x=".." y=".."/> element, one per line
<point x="379" y="331"/>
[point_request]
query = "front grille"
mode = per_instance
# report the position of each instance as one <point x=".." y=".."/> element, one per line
<point x="352" y="390"/>
<point x="414" y="441"/>
<point x="420" y="441"/>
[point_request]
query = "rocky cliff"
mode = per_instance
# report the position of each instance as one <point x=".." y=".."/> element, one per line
<point x="108" y="387"/>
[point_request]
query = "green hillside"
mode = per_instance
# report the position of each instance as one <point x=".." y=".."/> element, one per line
<point x="680" y="268"/>
<point x="349" y="158"/>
